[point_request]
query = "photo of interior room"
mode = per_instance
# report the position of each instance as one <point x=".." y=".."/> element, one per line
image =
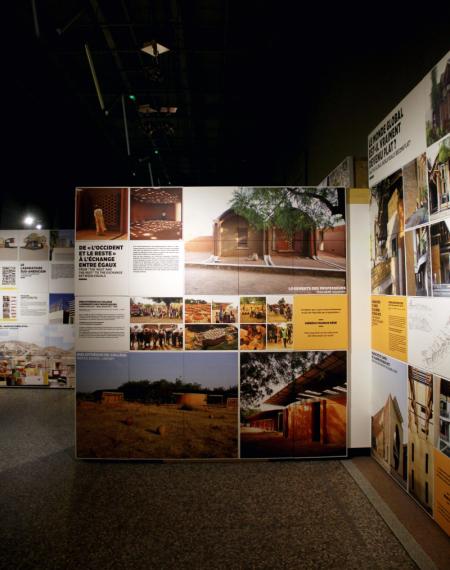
<point x="156" y="214"/>
<point x="101" y="214"/>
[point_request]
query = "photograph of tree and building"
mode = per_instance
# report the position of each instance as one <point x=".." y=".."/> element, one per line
<point x="157" y="406"/>
<point x="293" y="404"/>
<point x="438" y="114"/>
<point x="387" y="240"/>
<point x="438" y="160"/>
<point x="258" y="240"/>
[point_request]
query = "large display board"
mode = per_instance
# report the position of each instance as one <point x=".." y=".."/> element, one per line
<point x="211" y="322"/>
<point x="409" y="174"/>
<point x="37" y="304"/>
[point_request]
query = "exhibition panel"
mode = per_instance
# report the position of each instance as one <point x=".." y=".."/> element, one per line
<point x="37" y="319"/>
<point x="212" y="322"/>
<point x="409" y="175"/>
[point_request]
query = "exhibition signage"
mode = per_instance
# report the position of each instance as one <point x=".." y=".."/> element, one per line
<point x="37" y="307"/>
<point x="409" y="176"/>
<point x="211" y="322"/>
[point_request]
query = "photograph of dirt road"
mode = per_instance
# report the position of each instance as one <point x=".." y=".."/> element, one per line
<point x="157" y="406"/>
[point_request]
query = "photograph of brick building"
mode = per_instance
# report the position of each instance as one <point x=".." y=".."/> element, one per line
<point x="268" y="240"/>
<point x="387" y="439"/>
<point x="421" y="437"/>
<point x="388" y="236"/>
<point x="293" y="404"/>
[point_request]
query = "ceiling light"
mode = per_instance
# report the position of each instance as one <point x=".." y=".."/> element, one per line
<point x="168" y="110"/>
<point x="146" y="109"/>
<point x="154" y="49"/>
<point x="28" y="220"/>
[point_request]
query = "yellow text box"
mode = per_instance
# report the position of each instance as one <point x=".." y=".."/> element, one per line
<point x="389" y="326"/>
<point x="442" y="490"/>
<point x="320" y="322"/>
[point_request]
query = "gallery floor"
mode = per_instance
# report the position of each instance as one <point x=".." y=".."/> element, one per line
<point x="57" y="512"/>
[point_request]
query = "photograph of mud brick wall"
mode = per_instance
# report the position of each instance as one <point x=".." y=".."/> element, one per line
<point x="387" y="438"/>
<point x="101" y="213"/>
<point x="421" y="436"/>
<point x="269" y="240"/>
<point x="293" y="404"/>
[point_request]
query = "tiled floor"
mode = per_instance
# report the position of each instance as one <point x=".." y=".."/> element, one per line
<point x="60" y="513"/>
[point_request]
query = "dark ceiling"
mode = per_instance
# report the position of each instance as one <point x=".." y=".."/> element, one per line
<point x="266" y="92"/>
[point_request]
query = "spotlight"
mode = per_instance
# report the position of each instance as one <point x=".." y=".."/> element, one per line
<point x="170" y="110"/>
<point x="39" y="226"/>
<point x="28" y="220"/>
<point x="146" y="109"/>
<point x="154" y="49"/>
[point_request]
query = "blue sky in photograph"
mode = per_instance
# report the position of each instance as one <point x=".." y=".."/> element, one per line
<point x="212" y="370"/>
<point x="101" y="371"/>
<point x="208" y="369"/>
<point x="156" y="366"/>
<point x="68" y="234"/>
<point x="65" y="298"/>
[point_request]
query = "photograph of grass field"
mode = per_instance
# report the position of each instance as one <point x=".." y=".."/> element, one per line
<point x="179" y="410"/>
<point x="253" y="310"/>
